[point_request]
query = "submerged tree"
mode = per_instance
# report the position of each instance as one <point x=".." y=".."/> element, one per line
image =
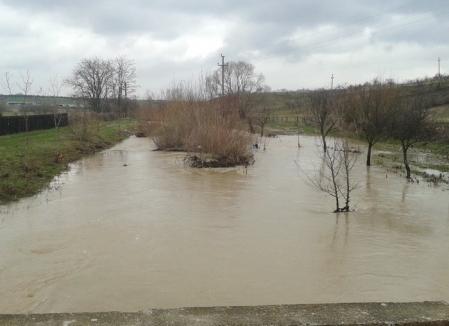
<point x="335" y="176"/>
<point x="261" y="116"/>
<point x="296" y="106"/>
<point x="370" y="109"/>
<point x="410" y="125"/>
<point x="322" y="113"/>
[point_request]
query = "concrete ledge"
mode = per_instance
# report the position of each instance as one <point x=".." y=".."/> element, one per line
<point x="414" y="313"/>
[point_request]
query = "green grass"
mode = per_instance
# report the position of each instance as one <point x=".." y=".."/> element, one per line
<point x="441" y="113"/>
<point x="29" y="161"/>
<point x="289" y="128"/>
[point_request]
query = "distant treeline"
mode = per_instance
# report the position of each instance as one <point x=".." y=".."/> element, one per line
<point x="436" y="90"/>
<point x="16" y="124"/>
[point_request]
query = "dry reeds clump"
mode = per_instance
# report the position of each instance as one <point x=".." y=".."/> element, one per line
<point x="218" y="140"/>
<point x="173" y="127"/>
<point x="212" y="138"/>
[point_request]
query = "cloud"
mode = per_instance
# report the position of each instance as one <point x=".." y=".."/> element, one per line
<point x="295" y="43"/>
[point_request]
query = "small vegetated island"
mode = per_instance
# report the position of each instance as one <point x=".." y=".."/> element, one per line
<point x="210" y="136"/>
<point x="212" y="121"/>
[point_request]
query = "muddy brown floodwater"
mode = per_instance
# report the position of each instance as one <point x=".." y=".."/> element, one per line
<point x="129" y="229"/>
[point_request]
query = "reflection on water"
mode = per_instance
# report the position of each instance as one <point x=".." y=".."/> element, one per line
<point x="129" y="229"/>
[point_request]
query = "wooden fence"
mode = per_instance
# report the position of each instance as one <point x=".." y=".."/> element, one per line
<point x="16" y="124"/>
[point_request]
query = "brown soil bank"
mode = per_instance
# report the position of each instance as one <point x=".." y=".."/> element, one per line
<point x="413" y="313"/>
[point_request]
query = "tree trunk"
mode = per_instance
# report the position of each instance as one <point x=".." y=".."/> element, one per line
<point x="348" y="189"/>
<point x="334" y="184"/>
<point x="324" y="143"/>
<point x="337" y="204"/>
<point x="262" y="130"/>
<point x="368" y="155"/>
<point x="407" y="166"/>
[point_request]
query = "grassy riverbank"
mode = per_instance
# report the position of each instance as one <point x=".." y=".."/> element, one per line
<point x="29" y="161"/>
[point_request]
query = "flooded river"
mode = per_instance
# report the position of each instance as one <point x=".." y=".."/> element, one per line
<point x="129" y="229"/>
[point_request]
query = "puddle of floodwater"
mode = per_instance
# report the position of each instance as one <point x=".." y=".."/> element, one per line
<point x="156" y="234"/>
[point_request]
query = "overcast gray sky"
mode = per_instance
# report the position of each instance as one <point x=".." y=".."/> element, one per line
<point x="294" y="43"/>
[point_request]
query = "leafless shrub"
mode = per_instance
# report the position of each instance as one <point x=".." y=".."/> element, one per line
<point x="335" y="176"/>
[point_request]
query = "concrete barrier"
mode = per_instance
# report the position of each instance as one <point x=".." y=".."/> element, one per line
<point x="413" y="313"/>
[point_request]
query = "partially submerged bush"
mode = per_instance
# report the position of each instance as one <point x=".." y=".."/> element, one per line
<point x="217" y="140"/>
<point x="212" y="138"/>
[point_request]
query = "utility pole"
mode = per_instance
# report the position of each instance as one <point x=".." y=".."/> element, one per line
<point x="332" y="81"/>
<point x="439" y="71"/>
<point x="222" y="65"/>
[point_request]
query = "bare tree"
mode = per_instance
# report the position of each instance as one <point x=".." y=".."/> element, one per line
<point x="54" y="91"/>
<point x="370" y="110"/>
<point x="25" y="88"/>
<point x="328" y="177"/>
<point x="124" y="82"/>
<point x="25" y="85"/>
<point x="322" y="113"/>
<point x="410" y="125"/>
<point x="55" y="86"/>
<point x="241" y="83"/>
<point x="92" y="80"/>
<point x="7" y="83"/>
<point x="334" y="177"/>
<point x="348" y="159"/>
<point x="261" y="116"/>
<point x="296" y="105"/>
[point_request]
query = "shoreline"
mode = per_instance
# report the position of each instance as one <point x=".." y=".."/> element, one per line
<point x="30" y="161"/>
